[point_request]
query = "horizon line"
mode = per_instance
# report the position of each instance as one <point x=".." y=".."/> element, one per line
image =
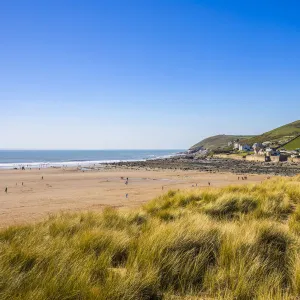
<point x="116" y="149"/>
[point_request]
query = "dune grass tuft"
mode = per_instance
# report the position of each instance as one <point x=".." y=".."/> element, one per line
<point x="236" y="242"/>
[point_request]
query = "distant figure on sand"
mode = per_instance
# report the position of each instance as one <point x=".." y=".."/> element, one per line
<point x="42" y="177"/>
<point x="126" y="195"/>
<point x="162" y="188"/>
<point x="22" y="183"/>
<point x="6" y="190"/>
<point x="208" y="183"/>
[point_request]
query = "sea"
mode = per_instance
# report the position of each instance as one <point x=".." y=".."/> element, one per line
<point x="11" y="159"/>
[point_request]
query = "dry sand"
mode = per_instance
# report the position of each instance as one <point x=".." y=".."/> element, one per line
<point x="73" y="190"/>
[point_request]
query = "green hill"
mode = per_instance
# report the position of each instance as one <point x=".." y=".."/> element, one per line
<point x="294" y="144"/>
<point x="218" y="141"/>
<point x="285" y="136"/>
<point x="278" y="136"/>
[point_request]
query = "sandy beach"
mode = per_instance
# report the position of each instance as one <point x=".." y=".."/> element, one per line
<point x="73" y="190"/>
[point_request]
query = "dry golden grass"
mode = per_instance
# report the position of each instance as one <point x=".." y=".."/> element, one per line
<point x="237" y="242"/>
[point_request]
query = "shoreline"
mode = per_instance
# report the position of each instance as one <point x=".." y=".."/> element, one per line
<point x="73" y="164"/>
<point x="78" y="158"/>
<point x="64" y="164"/>
<point x="179" y="163"/>
<point x="172" y="162"/>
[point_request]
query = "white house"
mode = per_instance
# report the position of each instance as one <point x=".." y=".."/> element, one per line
<point x="257" y="147"/>
<point x="270" y="151"/>
<point x="236" y="145"/>
<point x="244" y="147"/>
<point x="261" y="152"/>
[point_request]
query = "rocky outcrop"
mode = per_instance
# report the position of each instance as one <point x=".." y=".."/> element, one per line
<point x="189" y="162"/>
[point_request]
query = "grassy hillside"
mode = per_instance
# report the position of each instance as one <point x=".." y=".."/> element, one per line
<point x="293" y="144"/>
<point x="279" y="135"/>
<point x="237" y="242"/>
<point x="218" y="141"/>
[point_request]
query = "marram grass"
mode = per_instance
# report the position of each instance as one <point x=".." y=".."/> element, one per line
<point x="237" y="242"/>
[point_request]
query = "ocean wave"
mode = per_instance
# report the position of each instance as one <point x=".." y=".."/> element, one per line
<point x="165" y="156"/>
<point x="78" y="163"/>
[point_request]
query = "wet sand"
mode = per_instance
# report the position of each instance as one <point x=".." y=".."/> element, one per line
<point x="74" y="190"/>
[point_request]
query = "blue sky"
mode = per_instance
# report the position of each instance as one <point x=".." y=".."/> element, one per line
<point x="145" y="74"/>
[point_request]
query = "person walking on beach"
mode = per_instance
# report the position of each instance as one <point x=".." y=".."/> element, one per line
<point x="42" y="177"/>
<point x="208" y="183"/>
<point x="126" y="196"/>
<point x="6" y="190"/>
